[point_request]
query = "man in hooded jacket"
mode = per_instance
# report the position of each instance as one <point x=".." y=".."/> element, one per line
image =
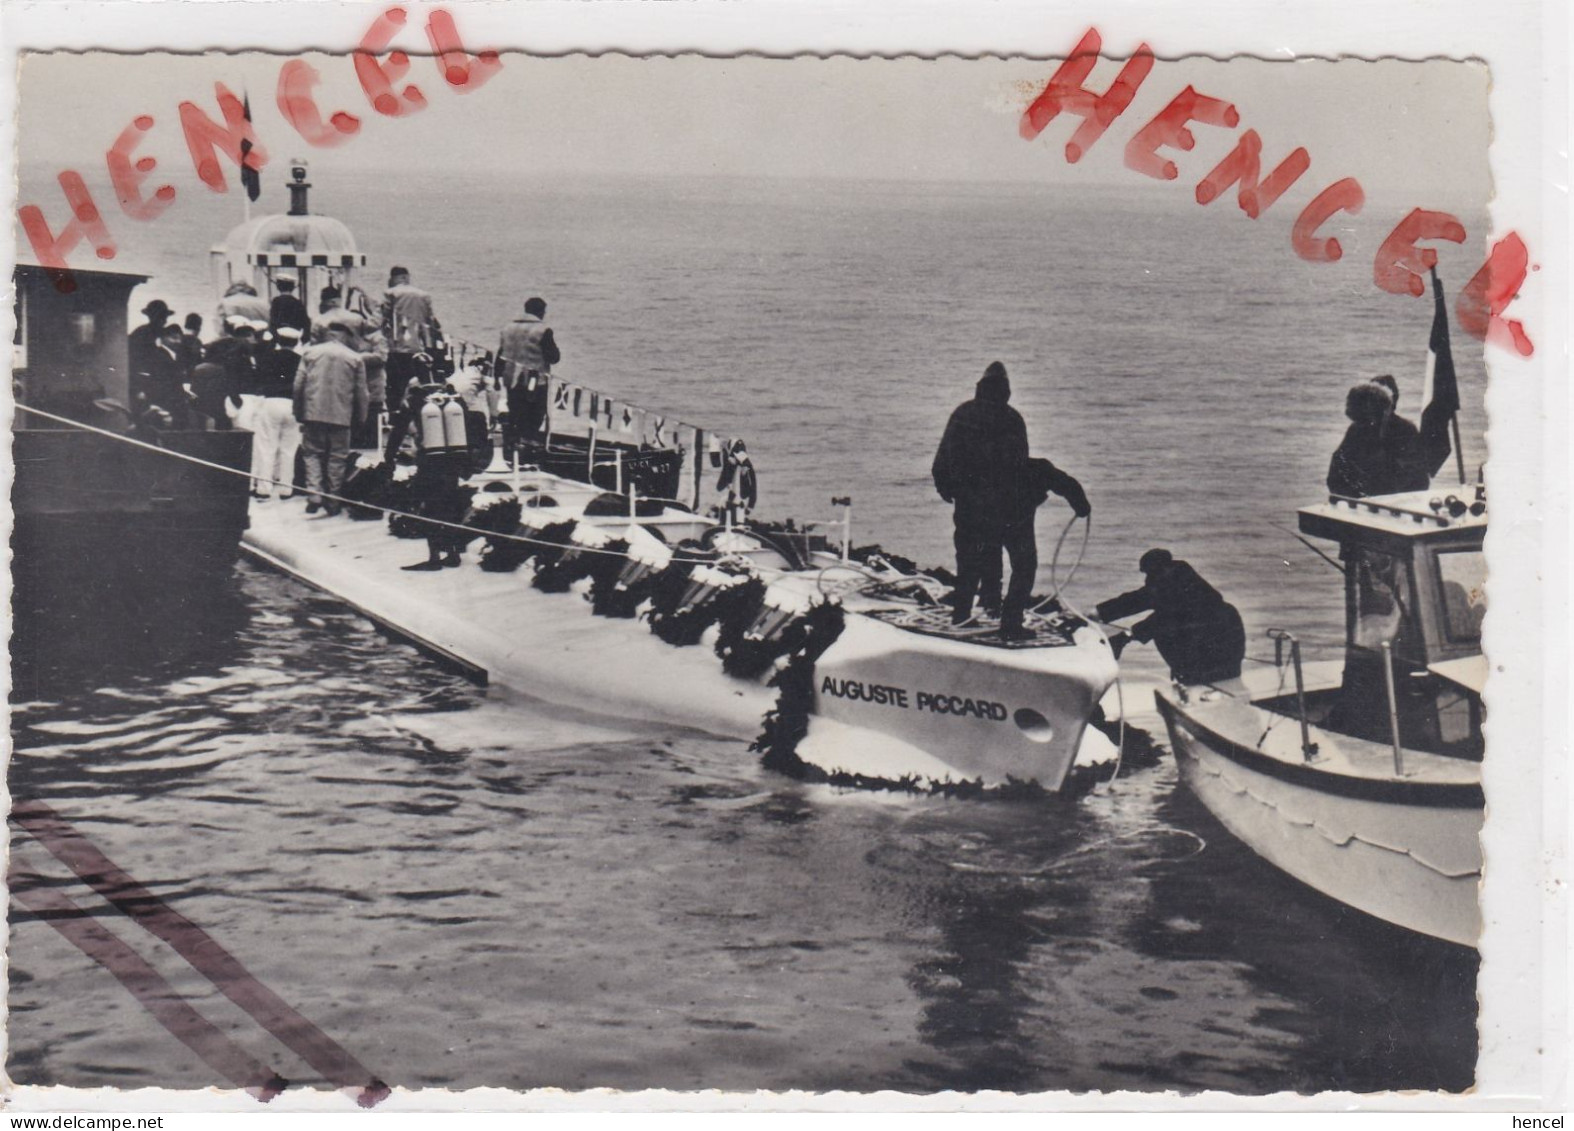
<point x="982" y="468"/>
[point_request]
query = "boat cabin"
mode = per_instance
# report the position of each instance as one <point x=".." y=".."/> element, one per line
<point x="69" y="346"/>
<point x="1415" y="597"/>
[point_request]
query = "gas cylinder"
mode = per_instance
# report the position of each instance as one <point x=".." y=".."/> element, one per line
<point x="430" y="433"/>
<point x="455" y="438"/>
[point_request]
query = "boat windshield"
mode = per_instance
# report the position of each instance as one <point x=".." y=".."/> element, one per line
<point x="1463" y="574"/>
<point x="1382" y="594"/>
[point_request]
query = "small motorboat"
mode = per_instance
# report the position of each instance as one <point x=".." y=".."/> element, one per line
<point x="1361" y="777"/>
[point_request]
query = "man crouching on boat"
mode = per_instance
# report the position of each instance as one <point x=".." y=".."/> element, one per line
<point x="330" y="399"/>
<point x="1195" y="629"/>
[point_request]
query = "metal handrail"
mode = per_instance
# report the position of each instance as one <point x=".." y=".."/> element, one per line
<point x="1279" y="636"/>
<point x="1393" y="708"/>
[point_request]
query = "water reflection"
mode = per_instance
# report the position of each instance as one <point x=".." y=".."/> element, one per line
<point x="69" y="637"/>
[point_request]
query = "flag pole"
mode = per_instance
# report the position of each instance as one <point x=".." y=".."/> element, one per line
<point x="1459" y="451"/>
<point x="1442" y="392"/>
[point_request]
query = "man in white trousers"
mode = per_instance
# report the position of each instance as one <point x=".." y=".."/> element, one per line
<point x="276" y="434"/>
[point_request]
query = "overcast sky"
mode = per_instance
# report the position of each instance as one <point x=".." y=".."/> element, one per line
<point x="1418" y="129"/>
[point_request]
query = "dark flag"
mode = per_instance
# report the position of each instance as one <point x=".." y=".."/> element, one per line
<point x="249" y="177"/>
<point x="1442" y="390"/>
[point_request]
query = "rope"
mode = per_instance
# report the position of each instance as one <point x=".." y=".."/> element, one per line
<point x="1054" y="561"/>
<point x="472" y="530"/>
<point x="866" y="578"/>
<point x="1120" y="688"/>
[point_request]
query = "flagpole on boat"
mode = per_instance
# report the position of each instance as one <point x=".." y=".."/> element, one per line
<point x="1459" y="452"/>
<point x="1442" y="391"/>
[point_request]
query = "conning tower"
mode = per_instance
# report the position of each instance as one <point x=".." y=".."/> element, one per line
<point x="313" y="251"/>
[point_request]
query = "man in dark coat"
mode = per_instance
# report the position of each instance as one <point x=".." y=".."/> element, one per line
<point x="1195" y="629"/>
<point x="191" y="340"/>
<point x="1402" y="440"/>
<point x="163" y="379"/>
<point x="287" y="310"/>
<point x="1380" y="453"/>
<point x="229" y="369"/>
<point x="143" y="341"/>
<point x="982" y="468"/>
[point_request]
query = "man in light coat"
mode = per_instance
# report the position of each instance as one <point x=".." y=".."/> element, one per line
<point x="411" y="330"/>
<point x="525" y="358"/>
<point x="330" y="399"/>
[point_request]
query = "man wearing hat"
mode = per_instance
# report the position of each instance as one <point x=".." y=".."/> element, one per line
<point x="162" y="382"/>
<point x="1195" y="629"/>
<point x="410" y="328"/>
<point x="330" y="398"/>
<point x="276" y="432"/>
<point x="143" y="341"/>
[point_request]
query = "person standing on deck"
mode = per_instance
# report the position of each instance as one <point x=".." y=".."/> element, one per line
<point x="1374" y="458"/>
<point x="525" y="358"/>
<point x="141" y="342"/>
<point x="982" y="468"/>
<point x="162" y="382"/>
<point x="229" y="369"/>
<point x="287" y="310"/>
<point x="191" y="340"/>
<point x="329" y="399"/>
<point x="1402" y="440"/>
<point x="354" y="313"/>
<point x="1197" y="632"/>
<point x="410" y="328"/>
<point x="242" y="301"/>
<point x="276" y="432"/>
<point x="328" y="299"/>
<point x="438" y="471"/>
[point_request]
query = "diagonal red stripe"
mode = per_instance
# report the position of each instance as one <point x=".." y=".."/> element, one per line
<point x="147" y="985"/>
<point x="199" y="948"/>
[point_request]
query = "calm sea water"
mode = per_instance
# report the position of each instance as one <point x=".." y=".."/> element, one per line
<point x="470" y="891"/>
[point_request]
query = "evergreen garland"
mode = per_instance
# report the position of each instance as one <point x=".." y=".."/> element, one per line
<point x="501" y="555"/>
<point x="736" y="609"/>
<point x="400" y="496"/>
<point x="786" y="723"/>
<point x="751" y="659"/>
<point x="603" y="570"/>
<point x="366" y="490"/>
<point x="557" y="566"/>
<point x="607" y="600"/>
<point x="686" y="627"/>
<point x="666" y="592"/>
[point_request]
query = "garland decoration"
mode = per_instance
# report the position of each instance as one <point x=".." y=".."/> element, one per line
<point x="557" y="562"/>
<point x="668" y="617"/>
<point x="366" y="487"/>
<point x="786" y="723"/>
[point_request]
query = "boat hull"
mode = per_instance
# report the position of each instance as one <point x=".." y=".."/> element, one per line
<point x="96" y="515"/>
<point x="1405" y="852"/>
<point x="991" y="714"/>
